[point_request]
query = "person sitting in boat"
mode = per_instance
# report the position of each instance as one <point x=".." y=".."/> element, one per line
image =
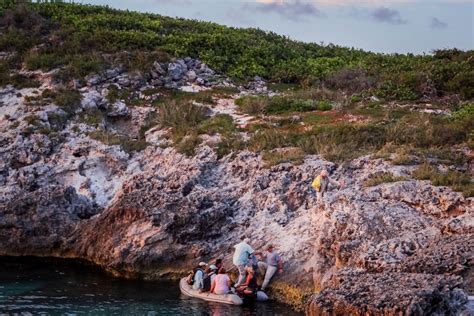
<point x="221" y="283"/>
<point x="211" y="273"/>
<point x="218" y="263"/>
<point x="273" y="264"/>
<point x="249" y="287"/>
<point x="199" y="276"/>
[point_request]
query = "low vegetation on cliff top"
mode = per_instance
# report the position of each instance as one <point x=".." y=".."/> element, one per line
<point x="85" y="38"/>
<point x="338" y="102"/>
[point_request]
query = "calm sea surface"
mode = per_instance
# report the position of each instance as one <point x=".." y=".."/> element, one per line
<point x="38" y="287"/>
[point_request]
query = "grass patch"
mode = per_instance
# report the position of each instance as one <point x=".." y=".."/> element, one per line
<point x="403" y="157"/>
<point x="258" y="105"/>
<point x="188" y="144"/>
<point x="282" y="87"/>
<point x="66" y="99"/>
<point x="456" y="180"/>
<point x="33" y="120"/>
<point x="181" y="116"/>
<point x="19" y="81"/>
<point x="183" y="119"/>
<point x="151" y="120"/>
<point x="229" y="144"/>
<point x="219" y="124"/>
<point x="342" y="141"/>
<point x="284" y="155"/>
<point x="204" y="96"/>
<point x="268" y="139"/>
<point x="72" y="34"/>
<point x="382" y="177"/>
<point x="318" y="118"/>
<point x="92" y="117"/>
<point x="128" y="144"/>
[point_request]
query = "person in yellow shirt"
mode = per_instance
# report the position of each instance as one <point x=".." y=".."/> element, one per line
<point x="321" y="184"/>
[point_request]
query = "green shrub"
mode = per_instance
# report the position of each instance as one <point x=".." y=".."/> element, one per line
<point x="73" y="32"/>
<point x="324" y="106"/>
<point x="356" y="98"/>
<point x="466" y="112"/>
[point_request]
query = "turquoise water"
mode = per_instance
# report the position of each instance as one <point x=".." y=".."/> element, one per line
<point x="30" y="286"/>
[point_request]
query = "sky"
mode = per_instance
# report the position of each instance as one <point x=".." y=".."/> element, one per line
<point x="387" y="26"/>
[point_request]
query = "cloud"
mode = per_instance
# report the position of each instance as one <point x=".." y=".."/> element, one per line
<point x="172" y="2"/>
<point x="438" y="24"/>
<point x="294" y="10"/>
<point x="387" y="15"/>
<point x="370" y="3"/>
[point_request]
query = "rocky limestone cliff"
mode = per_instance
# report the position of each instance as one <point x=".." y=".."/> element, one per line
<point x="396" y="248"/>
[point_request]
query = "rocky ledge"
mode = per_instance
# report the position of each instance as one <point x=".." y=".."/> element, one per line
<point x="395" y="248"/>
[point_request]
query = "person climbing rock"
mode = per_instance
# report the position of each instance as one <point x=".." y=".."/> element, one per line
<point x="241" y="258"/>
<point x="321" y="184"/>
<point x="271" y="266"/>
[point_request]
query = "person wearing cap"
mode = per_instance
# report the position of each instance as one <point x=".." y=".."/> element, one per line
<point x="241" y="258"/>
<point x="211" y="272"/>
<point x="271" y="266"/>
<point x="199" y="276"/>
<point x="321" y="184"/>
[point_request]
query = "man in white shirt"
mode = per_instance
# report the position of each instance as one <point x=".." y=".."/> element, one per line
<point x="241" y="258"/>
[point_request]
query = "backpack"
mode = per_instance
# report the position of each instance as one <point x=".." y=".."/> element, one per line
<point x="317" y="183"/>
<point x="206" y="283"/>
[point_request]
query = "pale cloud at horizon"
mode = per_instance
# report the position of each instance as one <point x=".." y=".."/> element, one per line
<point x="361" y="2"/>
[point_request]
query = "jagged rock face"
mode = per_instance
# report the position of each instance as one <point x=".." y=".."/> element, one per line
<point x="40" y="222"/>
<point x="381" y="250"/>
<point x="173" y="211"/>
<point x="178" y="211"/>
<point x="358" y="293"/>
<point x="375" y="233"/>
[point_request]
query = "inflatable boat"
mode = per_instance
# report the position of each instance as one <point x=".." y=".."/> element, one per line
<point x="187" y="290"/>
<point x="230" y="298"/>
